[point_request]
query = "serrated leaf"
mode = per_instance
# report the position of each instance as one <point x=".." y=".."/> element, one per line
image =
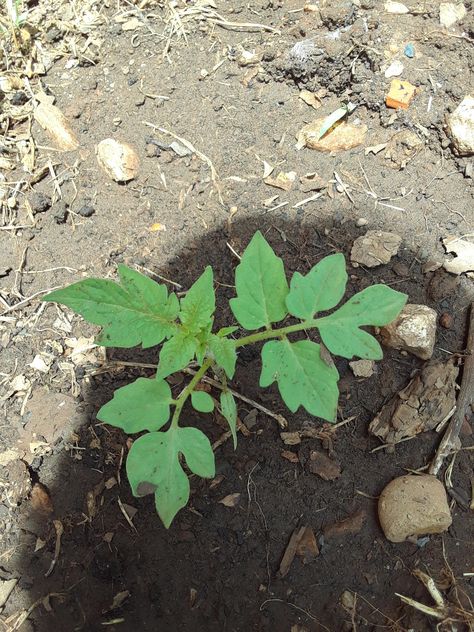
<point x="376" y="305"/>
<point x="199" y="304"/>
<point x="261" y="286"/>
<point x="136" y="310"/>
<point x="141" y="405"/>
<point x="303" y="378"/>
<point x="176" y="354"/>
<point x="321" y="289"/>
<point x="229" y="410"/>
<point x="203" y="338"/>
<point x="153" y="466"/>
<point x="224" y="353"/>
<point x="202" y="402"/>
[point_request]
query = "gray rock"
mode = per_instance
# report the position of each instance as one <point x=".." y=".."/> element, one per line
<point x="461" y="127"/>
<point x="375" y="248"/>
<point x="414" y="331"/>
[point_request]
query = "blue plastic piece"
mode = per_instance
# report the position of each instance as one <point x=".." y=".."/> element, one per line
<point x="409" y="51"/>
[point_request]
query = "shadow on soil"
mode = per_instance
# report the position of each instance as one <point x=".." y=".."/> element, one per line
<point x="216" y="567"/>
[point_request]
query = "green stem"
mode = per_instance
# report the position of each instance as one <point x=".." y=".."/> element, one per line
<point x="246" y="340"/>
<point x="183" y="396"/>
<point x="276" y="333"/>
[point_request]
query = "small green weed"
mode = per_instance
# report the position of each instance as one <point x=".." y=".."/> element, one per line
<point x="139" y="311"/>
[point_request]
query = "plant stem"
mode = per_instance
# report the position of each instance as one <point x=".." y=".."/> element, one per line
<point x="183" y="396"/>
<point x="276" y="333"/>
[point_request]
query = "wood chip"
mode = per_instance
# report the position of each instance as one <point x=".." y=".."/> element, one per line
<point x="282" y="180"/>
<point x="290" y="456"/>
<point x="307" y="547"/>
<point x="56" y="125"/>
<point x="290" y="551"/>
<point x="351" y="524"/>
<point x="231" y="500"/>
<point x="323" y="466"/>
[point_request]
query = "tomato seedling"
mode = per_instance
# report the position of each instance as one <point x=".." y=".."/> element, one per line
<point x="136" y="310"/>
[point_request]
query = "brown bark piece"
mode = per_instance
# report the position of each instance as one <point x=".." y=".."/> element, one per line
<point x="420" y="406"/>
<point x="307" y="548"/>
<point x="323" y="466"/>
<point x="351" y="524"/>
<point x="290" y="551"/>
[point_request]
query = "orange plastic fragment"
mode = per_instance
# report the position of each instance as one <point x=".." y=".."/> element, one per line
<point x="400" y="94"/>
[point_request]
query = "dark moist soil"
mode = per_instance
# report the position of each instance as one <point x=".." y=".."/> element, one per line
<point x="216" y="567"/>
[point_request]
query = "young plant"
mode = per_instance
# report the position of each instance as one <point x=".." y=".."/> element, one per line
<point x="139" y="311"/>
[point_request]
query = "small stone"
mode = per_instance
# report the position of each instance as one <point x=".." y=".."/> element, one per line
<point x="446" y="320"/>
<point x="86" y="211"/>
<point x="152" y="150"/>
<point x="19" y="482"/>
<point x="74" y="110"/>
<point x="60" y="213"/>
<point x="450" y="13"/>
<point x="362" y="221"/>
<point x="340" y="13"/>
<point x="89" y="84"/>
<point x="396" y="7"/>
<point x="343" y="137"/>
<point x="19" y="98"/>
<point x="414" y="331"/>
<point x="461" y="127"/>
<point x="413" y="505"/>
<point x="394" y="70"/>
<point x="40" y="202"/>
<point x="118" y="160"/>
<point x="401" y="269"/>
<point x="362" y="368"/>
<point x="375" y="248"/>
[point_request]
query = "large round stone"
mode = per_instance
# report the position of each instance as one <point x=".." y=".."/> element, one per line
<point x="413" y="505"/>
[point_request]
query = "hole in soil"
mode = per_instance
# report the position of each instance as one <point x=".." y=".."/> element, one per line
<point x="216" y="567"/>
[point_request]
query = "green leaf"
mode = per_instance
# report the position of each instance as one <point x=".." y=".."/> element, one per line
<point x="203" y="337"/>
<point x="199" y="304"/>
<point x="202" y="402"/>
<point x="224" y="353"/>
<point x="176" y="354"/>
<point x="261" y="286"/>
<point x="141" y="405"/>
<point x="153" y="466"/>
<point x="303" y="377"/>
<point x="197" y="451"/>
<point x="376" y="305"/>
<point x="136" y="310"/>
<point x="229" y="410"/>
<point x="321" y="289"/>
